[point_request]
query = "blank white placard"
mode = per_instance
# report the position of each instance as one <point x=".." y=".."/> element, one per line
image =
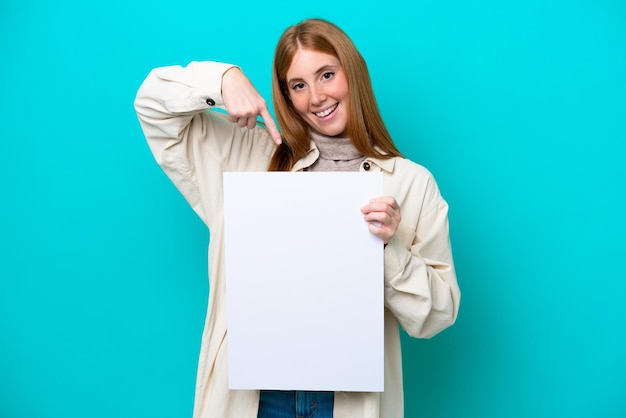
<point x="304" y="282"/>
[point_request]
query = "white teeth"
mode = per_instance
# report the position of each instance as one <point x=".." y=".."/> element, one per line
<point x="326" y="112"/>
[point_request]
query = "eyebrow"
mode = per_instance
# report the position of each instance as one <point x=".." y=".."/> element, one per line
<point x="317" y="72"/>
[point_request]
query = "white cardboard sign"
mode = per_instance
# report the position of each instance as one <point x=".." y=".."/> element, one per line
<point x="304" y="280"/>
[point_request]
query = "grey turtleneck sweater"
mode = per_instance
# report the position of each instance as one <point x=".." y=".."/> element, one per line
<point x="336" y="154"/>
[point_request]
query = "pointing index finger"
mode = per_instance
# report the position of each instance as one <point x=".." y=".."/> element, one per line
<point x="271" y="126"/>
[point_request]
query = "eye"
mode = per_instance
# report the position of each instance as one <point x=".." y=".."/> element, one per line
<point x="297" y="86"/>
<point x="328" y="75"/>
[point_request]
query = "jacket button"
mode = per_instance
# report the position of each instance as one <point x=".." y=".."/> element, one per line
<point x="210" y="102"/>
<point x="366" y="166"/>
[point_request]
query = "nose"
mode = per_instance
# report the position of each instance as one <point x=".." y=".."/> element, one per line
<point x="317" y="96"/>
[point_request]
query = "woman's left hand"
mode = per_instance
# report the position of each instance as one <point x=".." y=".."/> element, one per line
<point x="383" y="217"/>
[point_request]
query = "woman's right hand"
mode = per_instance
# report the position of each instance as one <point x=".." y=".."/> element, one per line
<point x="243" y="103"/>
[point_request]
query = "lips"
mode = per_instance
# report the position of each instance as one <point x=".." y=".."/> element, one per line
<point x="326" y="112"/>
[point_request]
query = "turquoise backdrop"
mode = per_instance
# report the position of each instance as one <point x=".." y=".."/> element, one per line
<point x="517" y="107"/>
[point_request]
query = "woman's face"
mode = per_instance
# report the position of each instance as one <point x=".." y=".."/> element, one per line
<point x="318" y="89"/>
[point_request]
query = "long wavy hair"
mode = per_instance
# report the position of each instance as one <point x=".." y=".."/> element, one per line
<point x="365" y="125"/>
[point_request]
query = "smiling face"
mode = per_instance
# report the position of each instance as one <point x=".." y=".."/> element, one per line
<point x="318" y="90"/>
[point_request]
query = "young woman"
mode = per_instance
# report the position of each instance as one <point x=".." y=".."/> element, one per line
<point x="329" y="121"/>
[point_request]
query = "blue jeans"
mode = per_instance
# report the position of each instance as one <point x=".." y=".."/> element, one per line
<point x="296" y="404"/>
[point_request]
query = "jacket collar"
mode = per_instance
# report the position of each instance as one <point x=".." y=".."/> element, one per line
<point x="386" y="164"/>
<point x="311" y="156"/>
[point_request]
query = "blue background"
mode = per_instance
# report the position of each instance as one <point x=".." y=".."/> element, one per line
<point x="517" y="107"/>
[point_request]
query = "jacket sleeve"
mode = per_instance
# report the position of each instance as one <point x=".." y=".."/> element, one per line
<point x="421" y="289"/>
<point x="194" y="145"/>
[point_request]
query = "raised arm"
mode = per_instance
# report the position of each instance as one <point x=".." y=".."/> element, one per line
<point x="193" y="145"/>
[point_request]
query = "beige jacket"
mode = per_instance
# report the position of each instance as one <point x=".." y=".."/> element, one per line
<point x="194" y="146"/>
